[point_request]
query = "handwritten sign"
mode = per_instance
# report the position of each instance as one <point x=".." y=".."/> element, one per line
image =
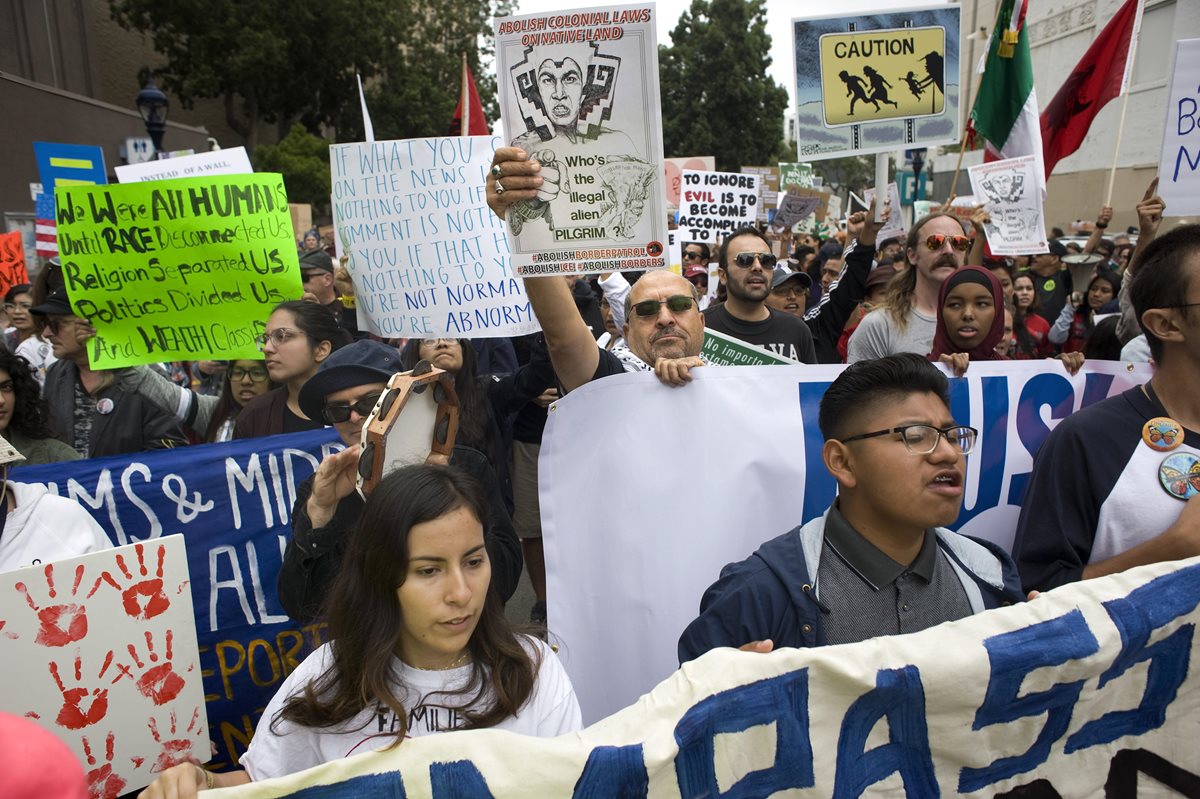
<point x="12" y="261"/>
<point x="792" y="174"/>
<point x="177" y="270"/>
<point x="715" y="203"/>
<point x="1014" y="205"/>
<point x="233" y="161"/>
<point x="1179" y="167"/>
<point x="427" y="256"/>
<point x="106" y="650"/>
<point x="578" y="90"/>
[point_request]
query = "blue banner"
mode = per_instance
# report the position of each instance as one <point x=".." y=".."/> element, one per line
<point x="233" y="504"/>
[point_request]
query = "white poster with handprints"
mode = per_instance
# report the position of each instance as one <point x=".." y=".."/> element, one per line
<point x="579" y="92"/>
<point x="1012" y="197"/>
<point x="101" y="651"/>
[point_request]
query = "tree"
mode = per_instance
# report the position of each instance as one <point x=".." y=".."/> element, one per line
<point x="303" y="159"/>
<point x="717" y="98"/>
<point x="855" y="172"/>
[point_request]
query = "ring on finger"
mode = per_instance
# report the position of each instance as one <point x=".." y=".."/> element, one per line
<point x="499" y="187"/>
<point x="496" y="171"/>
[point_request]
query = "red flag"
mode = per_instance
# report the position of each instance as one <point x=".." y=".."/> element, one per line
<point x="473" y="122"/>
<point x="1100" y="75"/>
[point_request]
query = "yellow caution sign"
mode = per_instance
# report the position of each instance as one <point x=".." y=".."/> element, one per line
<point x="868" y="76"/>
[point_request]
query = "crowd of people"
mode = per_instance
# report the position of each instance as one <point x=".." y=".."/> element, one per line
<point x="413" y="580"/>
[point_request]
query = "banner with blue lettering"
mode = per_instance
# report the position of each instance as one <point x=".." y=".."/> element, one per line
<point x="1087" y="690"/>
<point x="233" y="504"/>
<point x="693" y="478"/>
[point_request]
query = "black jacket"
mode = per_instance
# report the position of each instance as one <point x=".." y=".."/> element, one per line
<point x="827" y="320"/>
<point x="133" y="424"/>
<point x="313" y="556"/>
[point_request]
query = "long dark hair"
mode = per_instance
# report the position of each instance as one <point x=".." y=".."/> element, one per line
<point x="30" y="413"/>
<point x="1025" y="342"/>
<point x="366" y="620"/>
<point x="474" y="410"/>
<point x="227" y="407"/>
<point x="316" y="322"/>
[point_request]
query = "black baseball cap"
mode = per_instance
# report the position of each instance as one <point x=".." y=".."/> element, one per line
<point x="56" y="303"/>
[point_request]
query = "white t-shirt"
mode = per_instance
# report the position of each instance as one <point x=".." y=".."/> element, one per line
<point x="878" y="335"/>
<point x="44" y="527"/>
<point x="551" y="710"/>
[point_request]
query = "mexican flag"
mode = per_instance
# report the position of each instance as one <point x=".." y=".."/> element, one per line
<point x="1006" y="110"/>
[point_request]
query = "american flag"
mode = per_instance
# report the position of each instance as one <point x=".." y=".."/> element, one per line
<point x="46" y="232"/>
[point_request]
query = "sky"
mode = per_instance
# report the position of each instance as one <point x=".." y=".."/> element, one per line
<point x="779" y="16"/>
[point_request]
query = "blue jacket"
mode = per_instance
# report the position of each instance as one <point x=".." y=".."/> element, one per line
<point x="771" y="595"/>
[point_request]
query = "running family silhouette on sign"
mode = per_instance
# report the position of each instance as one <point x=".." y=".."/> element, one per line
<point x="873" y="87"/>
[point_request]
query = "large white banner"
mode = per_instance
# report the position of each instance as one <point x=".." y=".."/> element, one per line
<point x="427" y="256"/>
<point x="639" y="516"/>
<point x="1086" y="691"/>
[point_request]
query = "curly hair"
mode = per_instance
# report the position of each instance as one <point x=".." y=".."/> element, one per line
<point x="30" y="413"/>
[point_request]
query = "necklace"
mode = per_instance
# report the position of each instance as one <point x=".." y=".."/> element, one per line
<point x="459" y="661"/>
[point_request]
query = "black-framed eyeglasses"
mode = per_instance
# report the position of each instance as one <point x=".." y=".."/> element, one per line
<point x="257" y="374"/>
<point x="922" y="439"/>
<point x="677" y="304"/>
<point x="278" y="337"/>
<point x="746" y="259"/>
<point x="338" y="412"/>
<point x="936" y="240"/>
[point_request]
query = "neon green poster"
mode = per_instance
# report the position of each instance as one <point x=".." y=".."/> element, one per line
<point x="177" y="270"/>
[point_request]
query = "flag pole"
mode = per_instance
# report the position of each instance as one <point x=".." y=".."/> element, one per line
<point x="967" y="127"/>
<point x="1112" y="173"/>
<point x="465" y="119"/>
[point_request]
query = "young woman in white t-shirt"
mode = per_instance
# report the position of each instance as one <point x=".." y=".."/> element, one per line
<point x="419" y="645"/>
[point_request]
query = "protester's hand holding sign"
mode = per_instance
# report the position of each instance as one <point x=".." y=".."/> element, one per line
<point x="1150" y="213"/>
<point x="334" y="480"/>
<point x="513" y="178"/>
<point x="677" y="371"/>
<point x="957" y="361"/>
<point x="863" y="225"/>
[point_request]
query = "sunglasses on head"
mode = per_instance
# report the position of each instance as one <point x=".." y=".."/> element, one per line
<point x="960" y="243"/>
<point x="677" y="304"/>
<point x="338" y="412"/>
<point x="746" y="259"/>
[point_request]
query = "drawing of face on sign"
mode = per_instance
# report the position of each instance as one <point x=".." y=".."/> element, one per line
<point x="564" y="91"/>
<point x="627" y="184"/>
<point x="1003" y="187"/>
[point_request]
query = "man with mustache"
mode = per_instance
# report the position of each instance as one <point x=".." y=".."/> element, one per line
<point x="936" y="246"/>
<point x="746" y="269"/>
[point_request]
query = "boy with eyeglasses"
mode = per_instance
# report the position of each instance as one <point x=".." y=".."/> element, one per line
<point x="937" y="245"/>
<point x="342" y="393"/>
<point x="880" y="560"/>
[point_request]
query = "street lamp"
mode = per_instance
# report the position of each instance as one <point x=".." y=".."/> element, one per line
<point x="153" y="105"/>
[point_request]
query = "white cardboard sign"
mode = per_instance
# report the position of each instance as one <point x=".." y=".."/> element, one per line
<point x="233" y="161"/>
<point x="1179" y="167"/>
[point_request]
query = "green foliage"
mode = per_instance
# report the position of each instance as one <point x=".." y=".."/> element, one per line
<point x="717" y="98"/>
<point x="856" y="172"/>
<point x="303" y="159"/>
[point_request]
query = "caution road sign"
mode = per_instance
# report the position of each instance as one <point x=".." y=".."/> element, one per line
<point x="875" y="75"/>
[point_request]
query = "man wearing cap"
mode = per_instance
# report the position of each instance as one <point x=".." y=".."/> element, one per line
<point x="342" y="393"/>
<point x="88" y="409"/>
<point x="1051" y="280"/>
<point x="698" y="277"/>
<point x="39" y="527"/>
<point x="789" y="291"/>
<point x="316" y="270"/>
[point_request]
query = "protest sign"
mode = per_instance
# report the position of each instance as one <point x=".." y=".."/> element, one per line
<point x="177" y="270"/>
<point x="1014" y="205"/>
<point x="674" y="252"/>
<point x="105" y="646"/>
<point x="619" y="648"/>
<point x="1019" y="701"/>
<point x="12" y="261"/>
<point x="69" y="165"/>
<point x="877" y="82"/>
<point x="722" y="350"/>
<point x="427" y="256"/>
<point x="895" y="223"/>
<point x="795" y="175"/>
<point x="233" y="161"/>
<point x="713" y="204"/>
<point x="578" y="91"/>
<point x="792" y="209"/>
<point x="232" y="503"/>
<point x="1179" y="165"/>
<point x="768" y="190"/>
<point x="673" y="169"/>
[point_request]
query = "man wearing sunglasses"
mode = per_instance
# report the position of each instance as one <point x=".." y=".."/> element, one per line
<point x="342" y="393"/>
<point x="937" y="245"/>
<point x="880" y="560"/>
<point x="746" y="267"/>
<point x="316" y="272"/>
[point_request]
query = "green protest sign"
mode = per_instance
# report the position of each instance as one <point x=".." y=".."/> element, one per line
<point x="722" y="350"/>
<point x="177" y="270"/>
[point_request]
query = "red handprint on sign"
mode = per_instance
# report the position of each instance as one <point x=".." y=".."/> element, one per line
<point x="102" y="782"/>
<point x="81" y="707"/>
<point x="61" y="624"/>
<point x="175" y="750"/>
<point x="10" y="636"/>
<point x="144" y="599"/>
<point x="160" y="683"/>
